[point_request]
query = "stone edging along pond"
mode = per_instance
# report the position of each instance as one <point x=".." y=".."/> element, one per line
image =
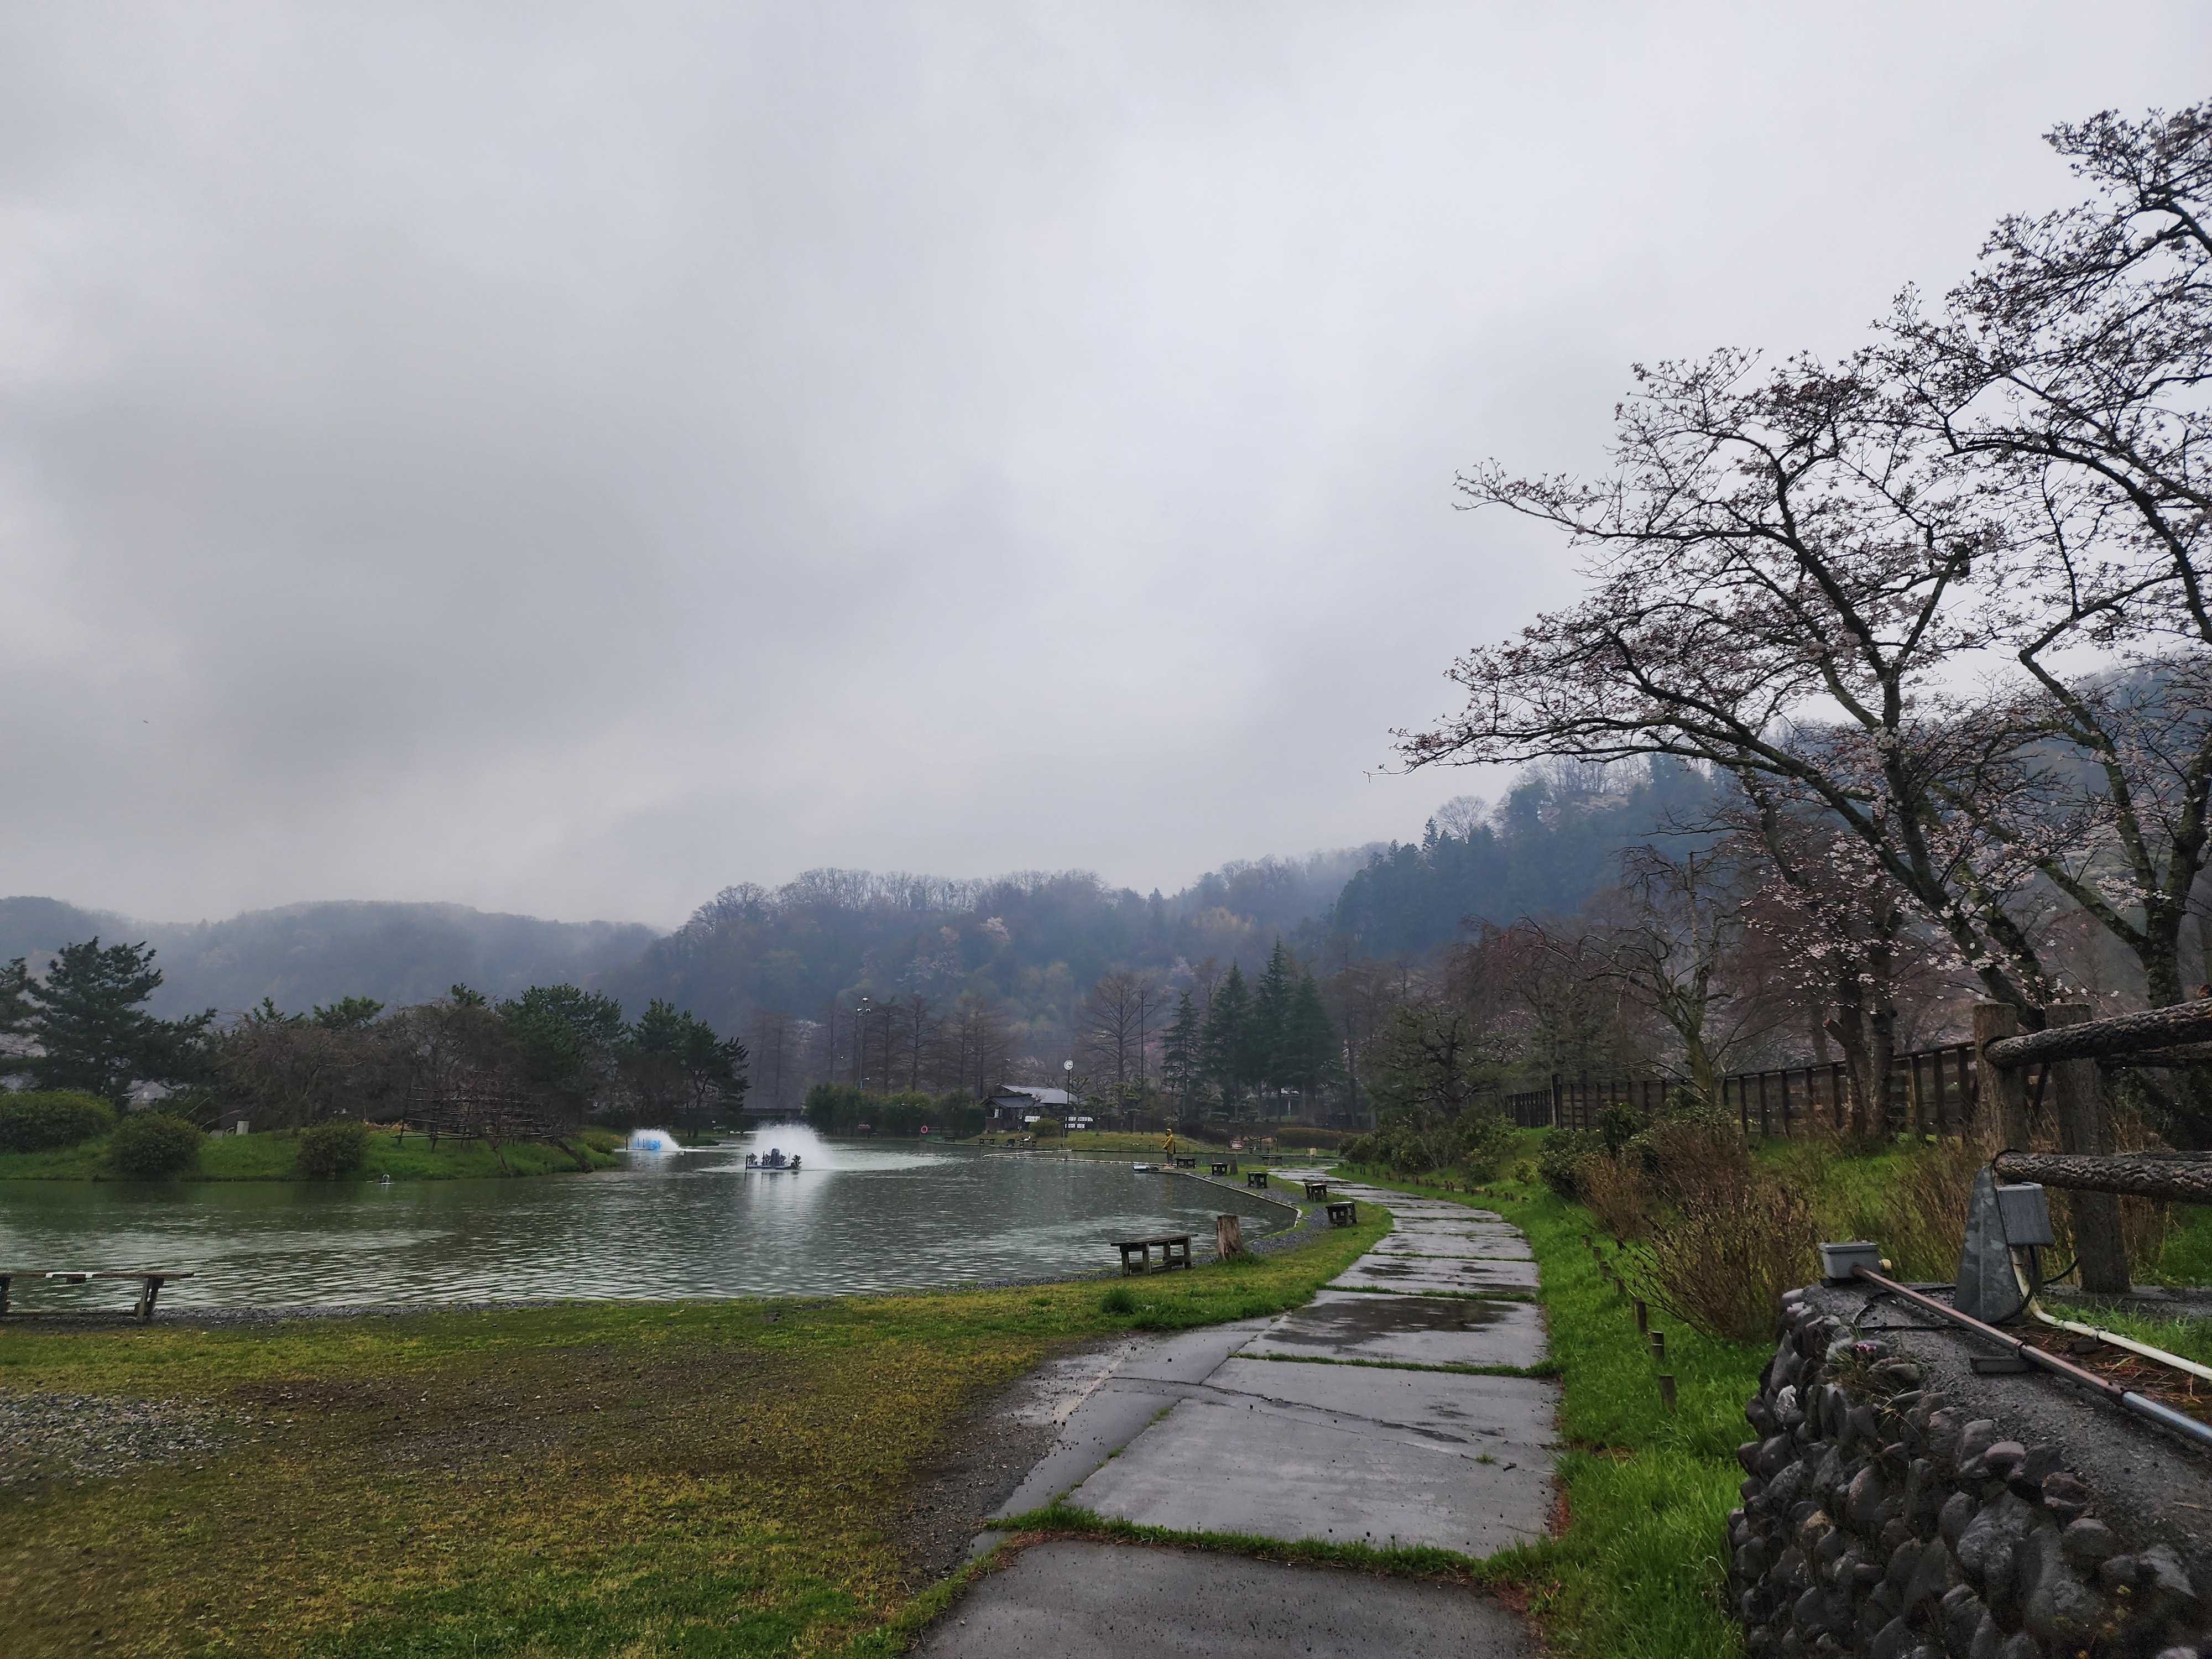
<point x="1883" y="1517"/>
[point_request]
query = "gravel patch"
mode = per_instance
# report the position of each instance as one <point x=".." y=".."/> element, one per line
<point x="47" y="1435"/>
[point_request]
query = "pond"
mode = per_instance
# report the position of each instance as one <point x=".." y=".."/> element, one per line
<point x="860" y="1216"/>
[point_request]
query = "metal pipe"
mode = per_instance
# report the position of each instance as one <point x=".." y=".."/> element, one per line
<point x="2127" y="1400"/>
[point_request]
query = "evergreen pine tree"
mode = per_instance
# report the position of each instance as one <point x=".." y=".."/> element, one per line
<point x="91" y="1032"/>
<point x="1227" y="1037"/>
<point x="1311" y="1057"/>
<point x="1267" y="1059"/>
<point x="1183" y="1053"/>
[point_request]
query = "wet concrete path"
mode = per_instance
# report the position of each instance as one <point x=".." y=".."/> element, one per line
<point x="1356" y="1419"/>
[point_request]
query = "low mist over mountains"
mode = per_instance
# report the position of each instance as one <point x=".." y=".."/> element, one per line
<point x="306" y="954"/>
<point x="1031" y="940"/>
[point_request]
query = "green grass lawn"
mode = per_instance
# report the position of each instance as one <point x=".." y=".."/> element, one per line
<point x="640" y="1479"/>
<point x="273" y="1156"/>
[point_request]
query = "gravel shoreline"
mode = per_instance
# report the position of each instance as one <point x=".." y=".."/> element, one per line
<point x="47" y="1435"/>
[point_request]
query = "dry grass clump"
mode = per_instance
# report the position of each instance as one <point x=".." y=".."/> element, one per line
<point x="1613" y="1190"/>
<point x="1924" y="1211"/>
<point x="1721" y="1261"/>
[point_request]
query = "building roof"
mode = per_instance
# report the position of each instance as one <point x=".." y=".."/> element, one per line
<point x="1042" y="1096"/>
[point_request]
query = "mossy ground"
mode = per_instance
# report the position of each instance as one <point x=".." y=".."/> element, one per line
<point x="638" y="1479"/>
<point x="274" y="1156"/>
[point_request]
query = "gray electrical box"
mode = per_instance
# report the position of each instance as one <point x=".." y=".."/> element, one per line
<point x="2024" y="1213"/>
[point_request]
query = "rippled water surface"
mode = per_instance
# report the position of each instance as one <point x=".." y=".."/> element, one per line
<point x="858" y="1216"/>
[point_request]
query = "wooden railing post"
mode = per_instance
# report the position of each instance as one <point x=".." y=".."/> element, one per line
<point x="2003" y="1096"/>
<point x="2100" y="1246"/>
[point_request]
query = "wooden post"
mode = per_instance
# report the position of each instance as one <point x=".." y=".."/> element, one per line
<point x="1667" y="1390"/>
<point x="1228" y="1236"/>
<point x="2099" y="1244"/>
<point x="1917" y="1097"/>
<point x="1659" y="1347"/>
<point x="1643" y="1318"/>
<point x="1959" y="1059"/>
<point x="2003" y="1095"/>
<point x="1766" y="1128"/>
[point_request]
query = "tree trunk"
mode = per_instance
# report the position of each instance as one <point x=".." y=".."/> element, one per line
<point x="2002" y="1109"/>
<point x="2135" y="1174"/>
<point x="2098" y="1246"/>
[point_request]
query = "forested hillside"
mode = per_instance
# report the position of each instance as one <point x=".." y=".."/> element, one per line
<point x="306" y="954"/>
<point x="1542" y="851"/>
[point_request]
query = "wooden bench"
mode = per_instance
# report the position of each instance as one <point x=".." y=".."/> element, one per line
<point x="1255" y="1178"/>
<point x="150" y="1280"/>
<point x="1186" y="1163"/>
<point x="1137" y="1253"/>
<point x="1317" y="1190"/>
<point x="1218" y="1168"/>
<point x="1343" y="1212"/>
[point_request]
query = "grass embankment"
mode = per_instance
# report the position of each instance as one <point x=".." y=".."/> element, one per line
<point x="275" y="1156"/>
<point x="633" y="1479"/>
<point x="1639" y="1571"/>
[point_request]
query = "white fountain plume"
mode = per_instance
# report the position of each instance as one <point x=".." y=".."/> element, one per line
<point x="653" y="1140"/>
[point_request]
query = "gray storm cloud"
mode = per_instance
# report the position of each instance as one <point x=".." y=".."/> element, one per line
<point x="567" y="460"/>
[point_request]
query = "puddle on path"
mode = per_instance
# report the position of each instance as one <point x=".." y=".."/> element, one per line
<point x="1335" y="1324"/>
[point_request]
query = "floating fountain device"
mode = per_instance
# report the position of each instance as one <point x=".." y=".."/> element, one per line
<point x="653" y="1140"/>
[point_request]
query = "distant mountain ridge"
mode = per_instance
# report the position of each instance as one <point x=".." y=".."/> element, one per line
<point x="301" y="955"/>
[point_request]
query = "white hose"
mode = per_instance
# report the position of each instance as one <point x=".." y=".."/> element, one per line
<point x="2119" y="1341"/>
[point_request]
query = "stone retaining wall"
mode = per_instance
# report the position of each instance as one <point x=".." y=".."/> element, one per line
<point x="1884" y="1517"/>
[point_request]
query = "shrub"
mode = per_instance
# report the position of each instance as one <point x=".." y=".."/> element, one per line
<point x="1614" y="1191"/>
<point x="35" y="1119"/>
<point x="1619" y="1124"/>
<point x="336" y="1146"/>
<point x="1721" y="1263"/>
<point x="1560" y="1158"/>
<point x="1118" y="1301"/>
<point x="150" y="1145"/>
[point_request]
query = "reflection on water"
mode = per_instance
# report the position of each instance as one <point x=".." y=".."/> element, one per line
<point x="860" y="1216"/>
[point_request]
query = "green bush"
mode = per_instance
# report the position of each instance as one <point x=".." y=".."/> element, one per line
<point x="1118" y="1301"/>
<point x="1414" y="1143"/>
<point x="336" y="1146"/>
<point x="38" y="1118"/>
<point x="150" y="1145"/>
<point x="1558" y="1158"/>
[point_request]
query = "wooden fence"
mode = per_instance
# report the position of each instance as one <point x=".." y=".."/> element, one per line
<point x="1931" y="1091"/>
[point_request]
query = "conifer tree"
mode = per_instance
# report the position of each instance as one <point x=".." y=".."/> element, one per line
<point x="1267" y="1042"/>
<point x="1311" y="1056"/>
<point x="1227" y="1037"/>
<point x="1183" y="1053"/>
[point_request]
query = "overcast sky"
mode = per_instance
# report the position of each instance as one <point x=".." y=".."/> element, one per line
<point x="569" y="458"/>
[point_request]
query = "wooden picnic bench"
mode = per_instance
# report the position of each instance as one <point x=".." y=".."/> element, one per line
<point x="150" y="1280"/>
<point x="1317" y="1190"/>
<point x="1343" y="1212"/>
<point x="1186" y="1163"/>
<point x="1218" y="1167"/>
<point x="1137" y="1253"/>
<point x="1255" y="1178"/>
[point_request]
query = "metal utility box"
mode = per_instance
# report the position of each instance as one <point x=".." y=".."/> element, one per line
<point x="1837" y="1260"/>
<point x="2024" y="1213"/>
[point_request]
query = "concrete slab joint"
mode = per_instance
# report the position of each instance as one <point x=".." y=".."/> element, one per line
<point x="1329" y="1422"/>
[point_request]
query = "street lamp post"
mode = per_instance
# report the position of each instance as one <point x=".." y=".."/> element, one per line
<point x="860" y="1045"/>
